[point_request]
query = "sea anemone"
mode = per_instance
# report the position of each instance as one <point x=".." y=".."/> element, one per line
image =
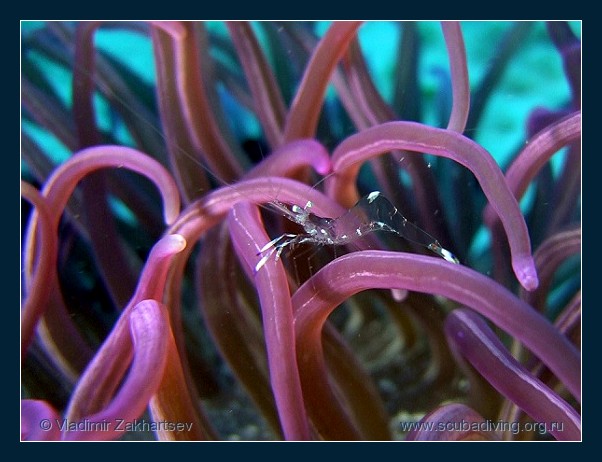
<point x="191" y="322"/>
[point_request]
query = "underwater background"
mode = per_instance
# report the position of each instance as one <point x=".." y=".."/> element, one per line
<point x="519" y="87"/>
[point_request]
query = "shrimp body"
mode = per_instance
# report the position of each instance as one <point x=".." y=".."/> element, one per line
<point x="373" y="212"/>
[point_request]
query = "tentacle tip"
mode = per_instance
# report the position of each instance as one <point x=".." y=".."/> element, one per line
<point x="171" y="204"/>
<point x="179" y="241"/>
<point x="324" y="167"/>
<point x="527" y="274"/>
<point x="530" y="283"/>
<point x="170" y="215"/>
<point x="399" y="295"/>
<point x="175" y="242"/>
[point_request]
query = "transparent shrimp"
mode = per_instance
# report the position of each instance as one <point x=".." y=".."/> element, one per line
<point x="373" y="212"/>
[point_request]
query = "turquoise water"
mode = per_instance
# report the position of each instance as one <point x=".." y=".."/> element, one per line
<point x="534" y="78"/>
